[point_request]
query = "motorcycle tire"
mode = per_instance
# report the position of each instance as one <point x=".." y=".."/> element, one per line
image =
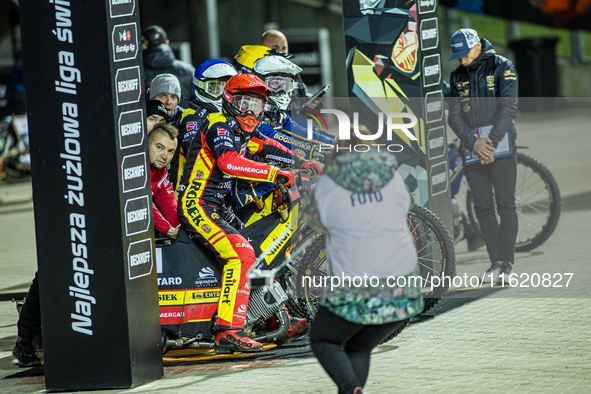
<point x="435" y="250"/>
<point x="537" y="201"/>
<point x="313" y="264"/>
<point x="290" y="278"/>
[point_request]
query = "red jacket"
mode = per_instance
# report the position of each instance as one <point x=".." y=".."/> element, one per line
<point x="164" y="201"/>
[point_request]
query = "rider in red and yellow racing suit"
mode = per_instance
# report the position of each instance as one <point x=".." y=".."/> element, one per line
<point x="220" y="152"/>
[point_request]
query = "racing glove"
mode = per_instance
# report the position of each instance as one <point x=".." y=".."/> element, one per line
<point x="312" y="165"/>
<point x="285" y="177"/>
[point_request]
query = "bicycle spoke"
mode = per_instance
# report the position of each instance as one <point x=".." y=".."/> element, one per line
<point x="536" y="210"/>
<point x="532" y="220"/>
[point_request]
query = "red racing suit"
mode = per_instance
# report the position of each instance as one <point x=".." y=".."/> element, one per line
<point x="164" y="203"/>
<point x="219" y="153"/>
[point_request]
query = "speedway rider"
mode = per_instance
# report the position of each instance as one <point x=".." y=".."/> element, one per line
<point x="208" y="86"/>
<point x="279" y="74"/>
<point x="219" y="153"/>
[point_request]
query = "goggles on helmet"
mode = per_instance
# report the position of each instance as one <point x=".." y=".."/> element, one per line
<point x="245" y="104"/>
<point x="278" y="83"/>
<point x="213" y="88"/>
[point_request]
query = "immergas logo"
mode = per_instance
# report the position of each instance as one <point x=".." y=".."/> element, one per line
<point x="394" y="121"/>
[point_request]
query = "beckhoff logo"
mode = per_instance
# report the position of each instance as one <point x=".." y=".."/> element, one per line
<point x="394" y="121"/>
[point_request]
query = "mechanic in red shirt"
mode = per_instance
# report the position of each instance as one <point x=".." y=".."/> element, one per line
<point x="162" y="145"/>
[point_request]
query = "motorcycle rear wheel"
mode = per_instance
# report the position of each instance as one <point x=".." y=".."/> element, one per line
<point x="436" y="254"/>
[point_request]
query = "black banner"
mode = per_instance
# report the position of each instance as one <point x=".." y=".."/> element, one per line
<point x="393" y="59"/>
<point x="92" y="198"/>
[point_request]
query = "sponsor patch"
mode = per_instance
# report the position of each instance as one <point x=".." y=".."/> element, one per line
<point x="191" y="126"/>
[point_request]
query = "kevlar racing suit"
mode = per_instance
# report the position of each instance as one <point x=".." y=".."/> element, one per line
<point x="292" y="133"/>
<point x="219" y="153"/>
<point x="191" y="121"/>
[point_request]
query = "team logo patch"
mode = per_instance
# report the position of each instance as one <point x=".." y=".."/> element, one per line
<point x="490" y="80"/>
<point x="222" y="131"/>
<point x="191" y="126"/>
<point x="206" y="228"/>
<point x="198" y="175"/>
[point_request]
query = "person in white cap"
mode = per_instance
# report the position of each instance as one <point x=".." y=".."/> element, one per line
<point x="482" y="109"/>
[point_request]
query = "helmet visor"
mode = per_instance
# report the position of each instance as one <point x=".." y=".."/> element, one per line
<point x="246" y="104"/>
<point x="214" y="88"/>
<point x="279" y="83"/>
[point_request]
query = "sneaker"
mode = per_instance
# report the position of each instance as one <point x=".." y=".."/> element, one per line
<point x="227" y="342"/>
<point x="492" y="274"/>
<point x="506" y="271"/>
<point x="25" y="354"/>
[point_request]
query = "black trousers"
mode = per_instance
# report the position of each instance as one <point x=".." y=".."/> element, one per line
<point x="499" y="176"/>
<point x="343" y="348"/>
<point x="29" y="320"/>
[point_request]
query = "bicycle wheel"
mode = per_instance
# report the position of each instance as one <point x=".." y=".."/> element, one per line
<point x="537" y="202"/>
<point x="435" y="253"/>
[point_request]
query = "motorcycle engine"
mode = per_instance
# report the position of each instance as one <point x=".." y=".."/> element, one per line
<point x="264" y="302"/>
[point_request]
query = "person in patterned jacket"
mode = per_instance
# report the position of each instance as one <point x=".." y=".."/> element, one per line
<point x="361" y="203"/>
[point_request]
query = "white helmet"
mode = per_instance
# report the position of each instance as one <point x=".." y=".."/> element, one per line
<point x="209" y="81"/>
<point x="279" y="75"/>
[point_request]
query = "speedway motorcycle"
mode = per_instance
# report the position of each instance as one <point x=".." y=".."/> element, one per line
<point x="190" y="277"/>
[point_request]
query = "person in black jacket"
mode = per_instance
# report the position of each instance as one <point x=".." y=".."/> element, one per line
<point x="159" y="59"/>
<point x="482" y="109"/>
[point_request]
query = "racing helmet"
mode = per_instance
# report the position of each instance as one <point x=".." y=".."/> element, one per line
<point x="209" y="81"/>
<point x="279" y="75"/>
<point x="245" y="98"/>
<point x="247" y="55"/>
